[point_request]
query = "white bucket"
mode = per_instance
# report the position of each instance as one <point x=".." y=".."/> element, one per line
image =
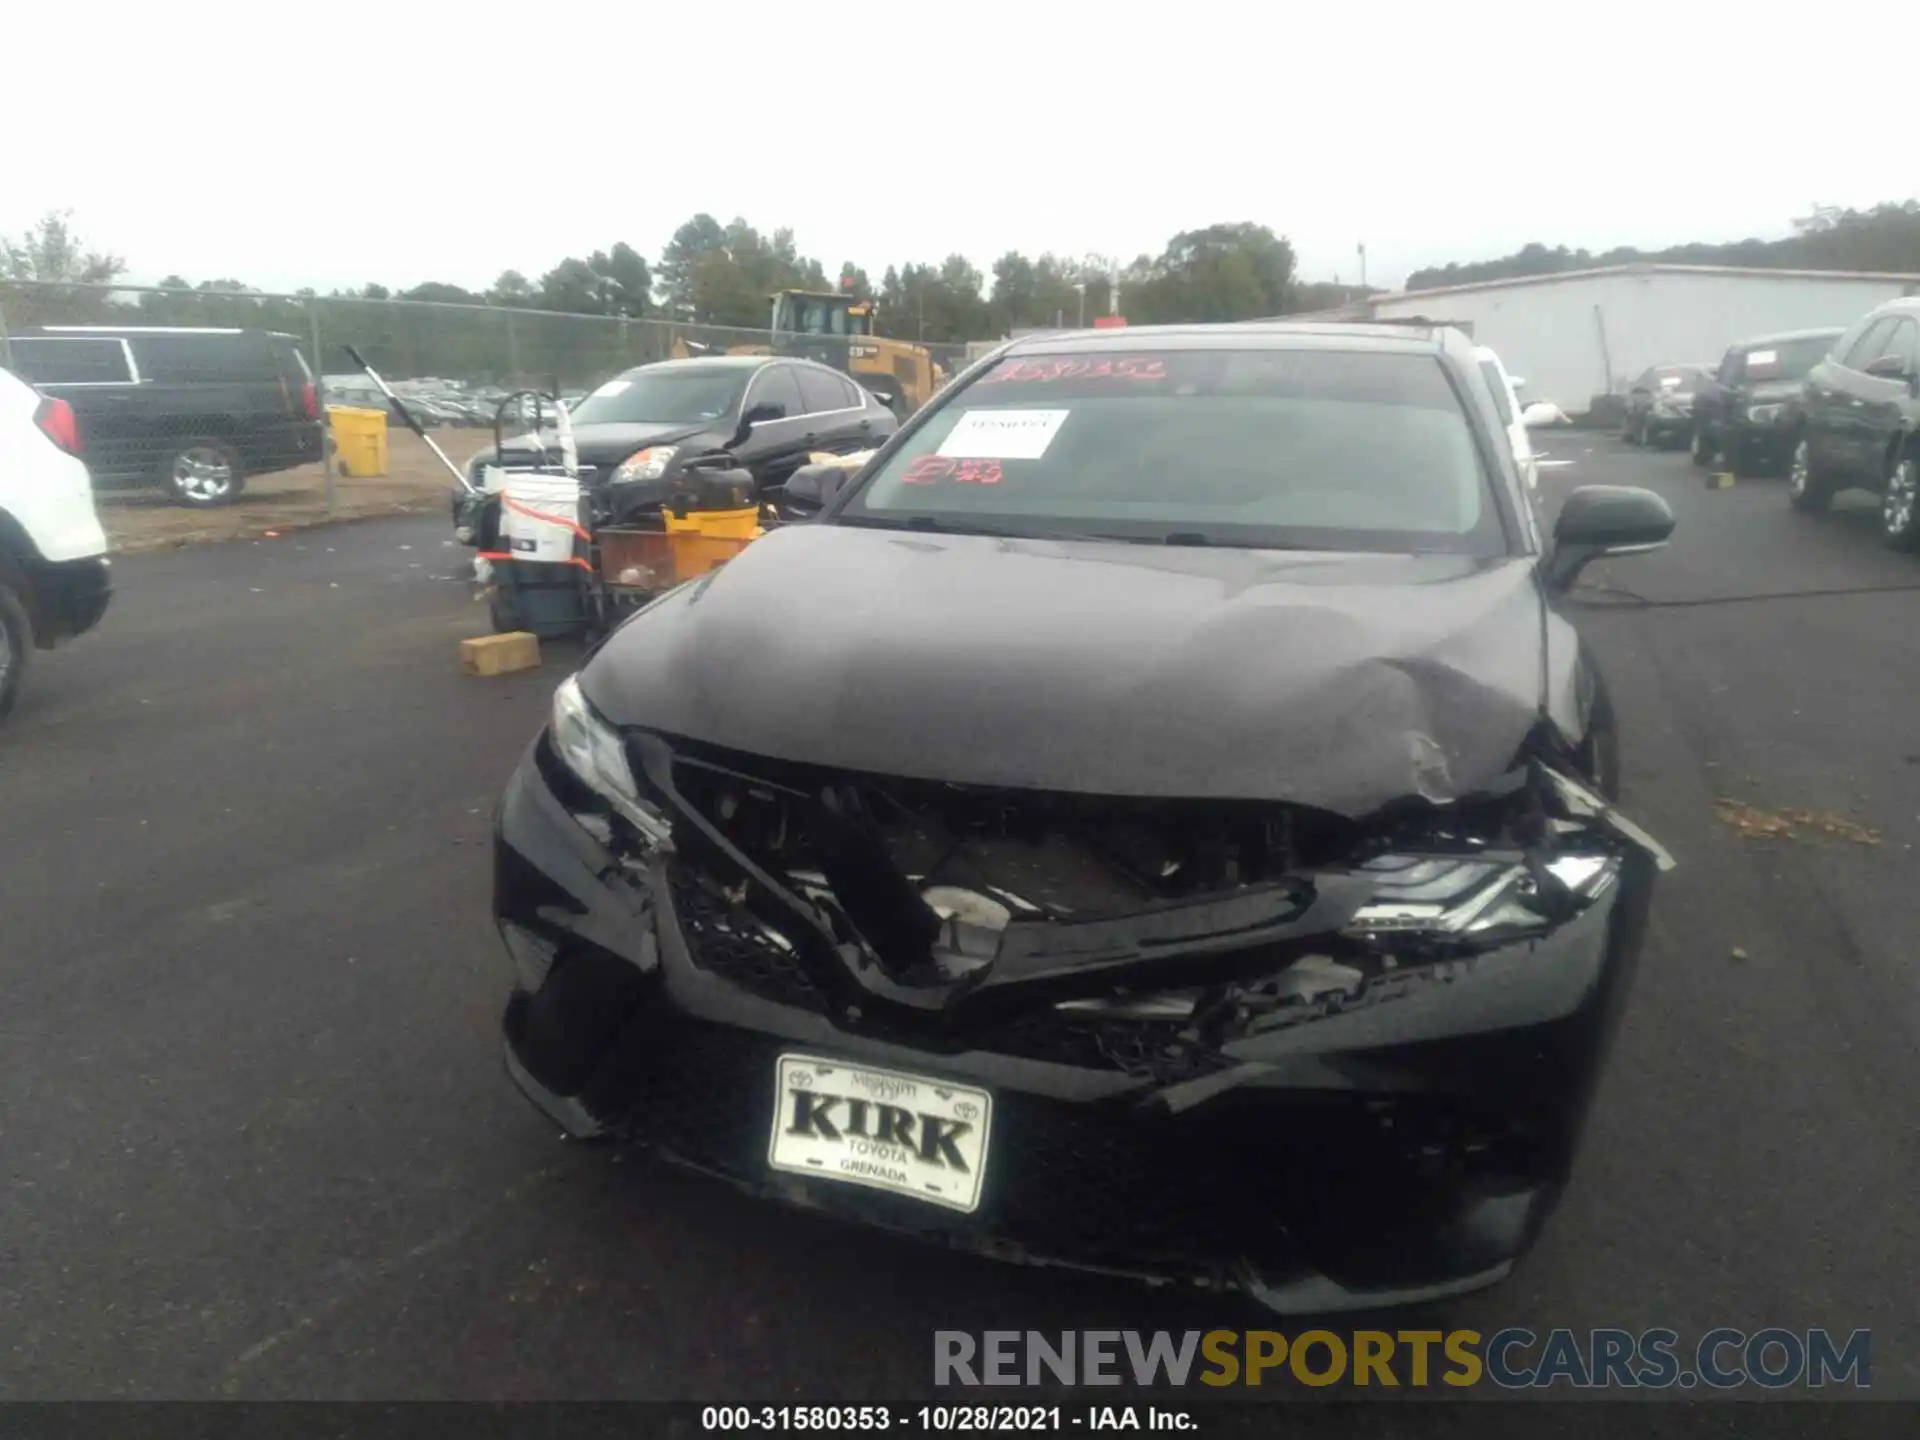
<point x="540" y="518"/>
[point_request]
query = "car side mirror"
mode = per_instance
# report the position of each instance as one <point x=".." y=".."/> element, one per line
<point x="812" y="488"/>
<point x="757" y="415"/>
<point x="1602" y="520"/>
<point x="1888" y="367"/>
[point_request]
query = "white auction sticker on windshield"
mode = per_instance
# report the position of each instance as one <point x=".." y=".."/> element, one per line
<point x="1003" y="434"/>
<point x="1758" y="358"/>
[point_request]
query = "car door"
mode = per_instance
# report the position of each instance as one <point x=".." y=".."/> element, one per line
<point x="1713" y="408"/>
<point x="1845" y="449"/>
<point x="837" y="417"/>
<point x="1886" y="396"/>
<point x="776" y="447"/>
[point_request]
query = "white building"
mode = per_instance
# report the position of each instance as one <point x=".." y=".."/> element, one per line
<point x="1590" y="332"/>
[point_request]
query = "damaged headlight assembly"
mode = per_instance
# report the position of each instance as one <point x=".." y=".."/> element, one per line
<point x="1468" y="896"/>
<point x="593" y="750"/>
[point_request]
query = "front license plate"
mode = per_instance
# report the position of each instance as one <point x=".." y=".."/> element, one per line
<point x="926" y="1139"/>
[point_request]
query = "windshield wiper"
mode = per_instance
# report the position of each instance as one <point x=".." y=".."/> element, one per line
<point x="937" y="525"/>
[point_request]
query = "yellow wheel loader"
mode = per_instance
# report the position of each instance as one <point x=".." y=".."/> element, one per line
<point x="836" y="329"/>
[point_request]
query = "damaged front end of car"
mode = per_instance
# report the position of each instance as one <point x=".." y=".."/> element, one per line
<point x="1332" y="1061"/>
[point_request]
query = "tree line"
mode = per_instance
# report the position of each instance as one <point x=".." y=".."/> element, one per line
<point x="711" y="273"/>
<point x="1883" y="238"/>
<point x="603" y="310"/>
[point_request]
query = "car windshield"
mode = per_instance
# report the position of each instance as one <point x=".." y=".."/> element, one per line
<point x="1786" y="359"/>
<point x="1679" y="379"/>
<point x="1309" y="448"/>
<point x="665" y="394"/>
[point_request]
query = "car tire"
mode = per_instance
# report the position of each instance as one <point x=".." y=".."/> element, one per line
<point x="1626" y="429"/>
<point x="1807" y="489"/>
<point x="16" y="645"/>
<point x="1702" y="450"/>
<point x="203" y="473"/>
<point x="1900" y="506"/>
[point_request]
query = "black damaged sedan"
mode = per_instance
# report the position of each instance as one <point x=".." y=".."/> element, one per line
<point x="1156" y="819"/>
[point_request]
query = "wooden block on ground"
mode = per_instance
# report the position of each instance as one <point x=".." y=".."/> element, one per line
<point x="1721" y="480"/>
<point x="500" y="654"/>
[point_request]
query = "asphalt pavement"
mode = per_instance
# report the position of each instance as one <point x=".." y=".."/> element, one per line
<point x="255" y="1140"/>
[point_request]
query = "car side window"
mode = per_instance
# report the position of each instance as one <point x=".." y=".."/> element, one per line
<point x="1904" y="343"/>
<point x="204" y="359"/>
<point x="820" y="391"/>
<point x="1645" y="382"/>
<point x="1870" y="343"/>
<point x="775" y="385"/>
<point x="852" y="395"/>
<point x="70" y="360"/>
<point x="1730" y="366"/>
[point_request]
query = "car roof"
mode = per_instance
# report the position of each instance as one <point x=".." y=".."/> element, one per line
<point x="1412" y="338"/>
<point x="710" y="362"/>
<point x="114" y="332"/>
<point x="1780" y="337"/>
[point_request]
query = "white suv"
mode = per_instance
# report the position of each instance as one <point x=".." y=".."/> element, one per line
<point x="53" y="554"/>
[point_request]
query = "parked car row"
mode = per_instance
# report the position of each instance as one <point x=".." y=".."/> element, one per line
<point x="1835" y="409"/>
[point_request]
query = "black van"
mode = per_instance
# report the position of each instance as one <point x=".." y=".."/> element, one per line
<point x="193" y="410"/>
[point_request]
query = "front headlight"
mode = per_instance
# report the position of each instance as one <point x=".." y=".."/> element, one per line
<point x="592" y="749"/>
<point x="1763" y="414"/>
<point x="648" y="464"/>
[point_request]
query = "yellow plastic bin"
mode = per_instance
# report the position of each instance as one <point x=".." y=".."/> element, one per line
<point x="359" y="440"/>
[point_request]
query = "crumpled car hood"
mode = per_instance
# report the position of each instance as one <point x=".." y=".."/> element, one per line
<point x="1338" y="681"/>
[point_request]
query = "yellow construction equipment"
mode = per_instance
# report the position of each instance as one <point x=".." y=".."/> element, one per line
<point x="836" y="328"/>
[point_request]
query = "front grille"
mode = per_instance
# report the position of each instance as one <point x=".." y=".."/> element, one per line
<point x="727" y="942"/>
<point x="1101" y="1185"/>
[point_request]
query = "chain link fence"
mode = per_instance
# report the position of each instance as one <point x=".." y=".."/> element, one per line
<point x="157" y="431"/>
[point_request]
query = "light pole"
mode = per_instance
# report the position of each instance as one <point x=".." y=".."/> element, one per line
<point x="1363" y="265"/>
<point x="1081" y="286"/>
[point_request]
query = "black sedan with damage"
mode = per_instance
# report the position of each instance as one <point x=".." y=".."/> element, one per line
<point x="1156" y="819"/>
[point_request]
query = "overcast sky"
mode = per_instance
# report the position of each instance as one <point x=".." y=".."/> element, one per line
<point x="332" y="145"/>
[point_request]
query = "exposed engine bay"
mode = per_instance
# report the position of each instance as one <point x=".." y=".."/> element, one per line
<point x="1232" y="915"/>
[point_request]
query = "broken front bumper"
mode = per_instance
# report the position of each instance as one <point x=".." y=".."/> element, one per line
<point x="1342" y="1150"/>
